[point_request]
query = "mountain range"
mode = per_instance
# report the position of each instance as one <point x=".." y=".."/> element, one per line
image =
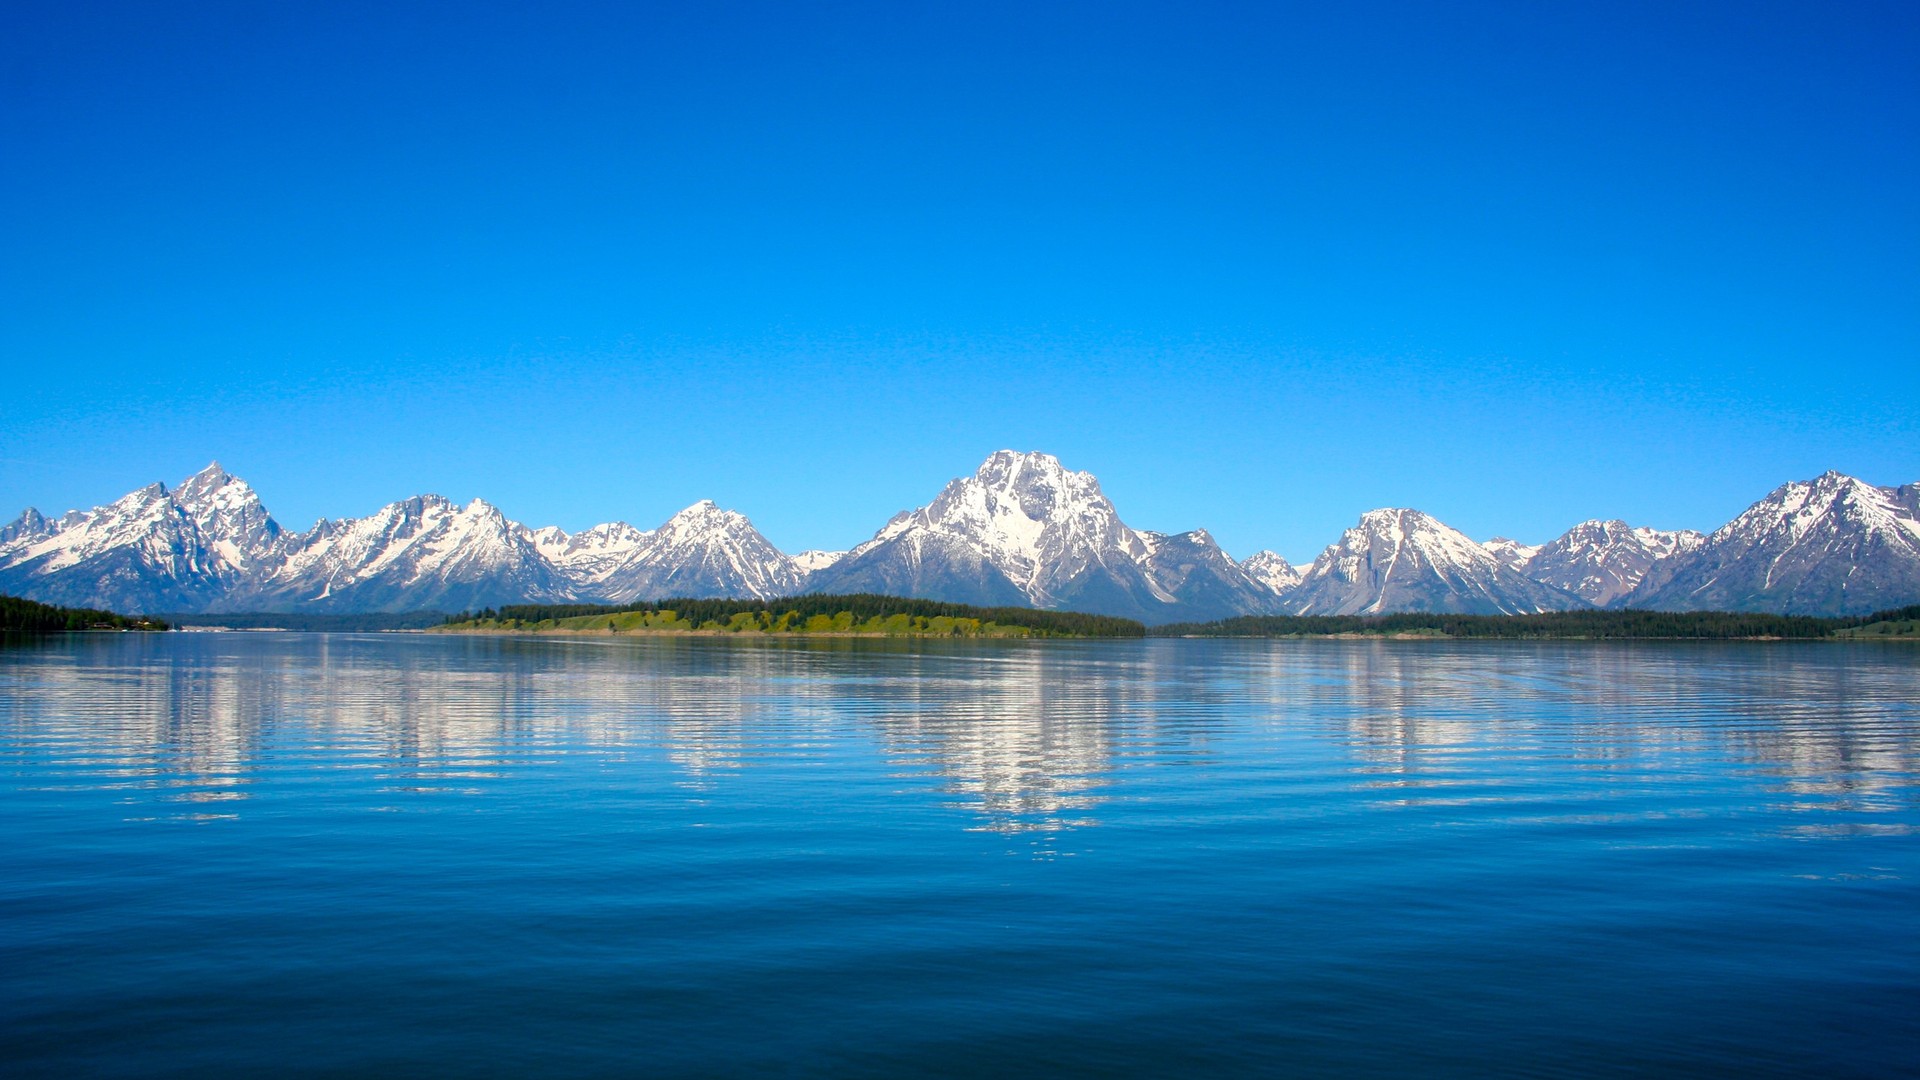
<point x="1022" y="530"/>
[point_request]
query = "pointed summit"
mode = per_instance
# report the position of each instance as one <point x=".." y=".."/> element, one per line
<point x="31" y="524"/>
<point x="231" y="517"/>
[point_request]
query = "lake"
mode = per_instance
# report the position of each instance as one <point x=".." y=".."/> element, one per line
<point x="422" y="855"/>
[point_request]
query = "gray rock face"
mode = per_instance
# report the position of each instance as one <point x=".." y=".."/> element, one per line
<point x="1603" y="562"/>
<point x="1403" y="560"/>
<point x="1832" y="545"/>
<point x="1025" y="531"/>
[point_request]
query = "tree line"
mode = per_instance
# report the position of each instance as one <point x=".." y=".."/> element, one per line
<point x="21" y="616"/>
<point x="794" y="613"/>
<point x="1587" y="625"/>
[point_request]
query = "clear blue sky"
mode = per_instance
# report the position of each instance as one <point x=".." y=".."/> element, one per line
<point x="1258" y="267"/>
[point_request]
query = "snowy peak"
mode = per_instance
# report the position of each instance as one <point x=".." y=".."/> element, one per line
<point x="1833" y="544"/>
<point x="1512" y="553"/>
<point x="703" y="550"/>
<point x="1024" y="529"/>
<point x="231" y="517"/>
<point x="30" y="525"/>
<point x="1027" y="513"/>
<point x="1021" y="530"/>
<point x="815" y="560"/>
<point x="1832" y="503"/>
<point x="148" y="550"/>
<point x="1276" y="574"/>
<point x="1603" y="562"/>
<point x="422" y="552"/>
<point x="1400" y="559"/>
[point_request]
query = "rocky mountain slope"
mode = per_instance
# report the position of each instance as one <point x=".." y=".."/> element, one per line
<point x="1832" y="545"/>
<point x="1269" y="569"/>
<point x="1404" y="560"/>
<point x="150" y="550"/>
<point x="1603" y="562"/>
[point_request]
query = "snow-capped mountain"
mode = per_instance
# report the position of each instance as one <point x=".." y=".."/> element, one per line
<point x="150" y="550"/>
<point x="1403" y="560"/>
<point x="1269" y="569"/>
<point x="1203" y="581"/>
<point x="593" y="556"/>
<point x="1025" y="530"/>
<point x="1602" y="562"/>
<point x="1830" y="545"/>
<point x="210" y="545"/>
<point x="422" y="553"/>
<point x="230" y="518"/>
<point x="1512" y="553"/>
<point x="700" y="551"/>
<point x="814" y="561"/>
<point x="30" y="525"/>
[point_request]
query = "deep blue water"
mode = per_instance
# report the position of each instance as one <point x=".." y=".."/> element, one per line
<point x="419" y="855"/>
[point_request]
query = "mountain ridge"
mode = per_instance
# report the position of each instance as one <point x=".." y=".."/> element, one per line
<point x="1022" y="530"/>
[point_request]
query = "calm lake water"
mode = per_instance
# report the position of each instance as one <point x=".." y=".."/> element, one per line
<point x="418" y="855"/>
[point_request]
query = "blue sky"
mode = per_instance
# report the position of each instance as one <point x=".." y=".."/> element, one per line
<point x="1258" y="267"/>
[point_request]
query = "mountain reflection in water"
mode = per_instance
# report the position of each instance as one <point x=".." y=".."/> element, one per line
<point x="1025" y="737"/>
<point x="422" y="855"/>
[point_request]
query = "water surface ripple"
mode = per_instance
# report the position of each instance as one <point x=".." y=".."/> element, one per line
<point x="425" y="855"/>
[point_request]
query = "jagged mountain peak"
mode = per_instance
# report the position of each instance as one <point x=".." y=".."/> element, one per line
<point x="1025" y="511"/>
<point x="1418" y="529"/>
<point x="1401" y="559"/>
<point x="817" y="559"/>
<point x="1798" y="507"/>
<point x="705" y="514"/>
<point x="1025" y="529"/>
<point x="1832" y="544"/>
<point x="704" y="550"/>
<point x="1512" y="553"/>
<point x="1022" y="529"/>
<point x="30" y="523"/>
<point x="207" y="479"/>
<point x="1269" y="569"/>
<point x="1604" y="560"/>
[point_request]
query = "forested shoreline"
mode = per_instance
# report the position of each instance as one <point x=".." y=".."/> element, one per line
<point x="22" y="616"/>
<point x="870" y="614"/>
<point x="857" y="614"/>
<point x="1630" y="625"/>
